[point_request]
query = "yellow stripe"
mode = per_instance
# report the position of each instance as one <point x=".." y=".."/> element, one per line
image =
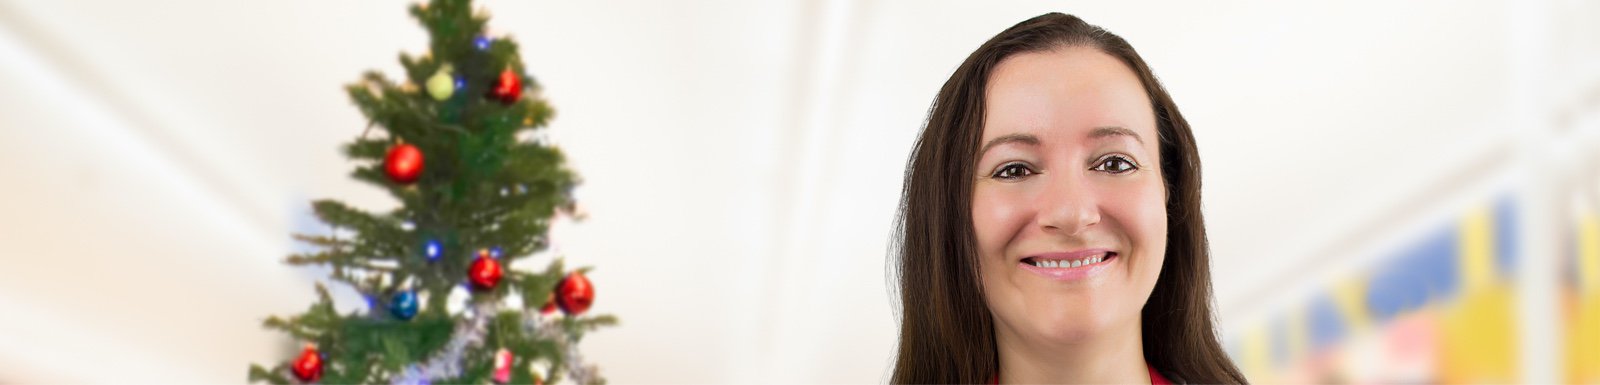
<point x="1256" y="353"/>
<point x="1589" y="253"/>
<point x="1477" y="249"/>
<point x="1299" y="339"/>
<point x="1583" y="339"/>
<point x="1583" y="309"/>
<point x="1478" y="343"/>
<point x="1351" y="298"/>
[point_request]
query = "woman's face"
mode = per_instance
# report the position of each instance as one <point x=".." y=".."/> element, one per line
<point x="1068" y="203"/>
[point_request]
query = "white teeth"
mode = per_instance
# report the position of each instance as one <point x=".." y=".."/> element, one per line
<point x="1070" y="264"/>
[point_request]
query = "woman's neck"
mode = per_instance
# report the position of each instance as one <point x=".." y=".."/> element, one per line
<point x="1109" y="357"/>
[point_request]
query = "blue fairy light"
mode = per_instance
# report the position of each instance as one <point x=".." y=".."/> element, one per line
<point x="460" y="83"/>
<point x="481" y="42"/>
<point x="432" y="250"/>
<point x="494" y="252"/>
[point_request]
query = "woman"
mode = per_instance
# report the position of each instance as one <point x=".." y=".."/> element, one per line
<point x="1050" y="228"/>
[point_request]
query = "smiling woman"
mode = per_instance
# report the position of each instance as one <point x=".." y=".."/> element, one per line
<point x="1050" y="227"/>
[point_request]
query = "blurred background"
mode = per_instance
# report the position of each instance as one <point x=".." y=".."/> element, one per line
<point x="1396" y="191"/>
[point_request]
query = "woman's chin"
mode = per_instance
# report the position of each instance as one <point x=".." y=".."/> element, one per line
<point x="1068" y="333"/>
<point x="1071" y="325"/>
<point x="1064" y="315"/>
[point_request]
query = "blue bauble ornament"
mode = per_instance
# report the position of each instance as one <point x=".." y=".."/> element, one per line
<point x="403" y="305"/>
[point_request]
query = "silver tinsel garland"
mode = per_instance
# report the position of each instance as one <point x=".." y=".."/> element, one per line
<point x="470" y="331"/>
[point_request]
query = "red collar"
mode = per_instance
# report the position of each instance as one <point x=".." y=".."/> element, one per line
<point x="1155" y="377"/>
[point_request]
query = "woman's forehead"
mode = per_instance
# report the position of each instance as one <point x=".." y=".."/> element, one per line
<point x="1070" y="91"/>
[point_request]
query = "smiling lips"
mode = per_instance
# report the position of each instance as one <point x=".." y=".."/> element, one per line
<point x="1073" y="265"/>
<point x="1062" y="263"/>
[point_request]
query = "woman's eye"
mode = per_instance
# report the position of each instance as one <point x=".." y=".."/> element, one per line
<point x="1012" y="171"/>
<point x="1116" y="165"/>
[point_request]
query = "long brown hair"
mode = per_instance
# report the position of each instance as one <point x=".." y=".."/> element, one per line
<point x="946" y="329"/>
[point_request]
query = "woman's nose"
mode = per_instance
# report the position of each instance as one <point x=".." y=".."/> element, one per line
<point x="1068" y="206"/>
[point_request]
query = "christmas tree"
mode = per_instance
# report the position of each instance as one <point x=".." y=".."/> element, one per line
<point x="478" y="189"/>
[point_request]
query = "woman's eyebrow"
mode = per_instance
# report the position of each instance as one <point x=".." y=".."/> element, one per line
<point x="1109" y="131"/>
<point x="1027" y="139"/>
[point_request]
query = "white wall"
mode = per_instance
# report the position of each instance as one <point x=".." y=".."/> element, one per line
<point x="742" y="160"/>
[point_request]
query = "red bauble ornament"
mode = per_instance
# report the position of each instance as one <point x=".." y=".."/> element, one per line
<point x="308" y="367"/>
<point x="507" y="88"/>
<point x="549" y="304"/>
<point x="502" y="366"/>
<point x="485" y="273"/>
<point x="404" y="164"/>
<point x="574" y="294"/>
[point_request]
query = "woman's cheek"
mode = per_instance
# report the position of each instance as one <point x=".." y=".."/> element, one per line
<point x="1155" y="212"/>
<point x="1144" y="214"/>
<point x="1146" y="204"/>
<point x="996" y="216"/>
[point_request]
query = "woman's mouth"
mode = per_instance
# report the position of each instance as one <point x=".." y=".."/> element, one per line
<point x="1070" y="266"/>
<point x="1068" y="263"/>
